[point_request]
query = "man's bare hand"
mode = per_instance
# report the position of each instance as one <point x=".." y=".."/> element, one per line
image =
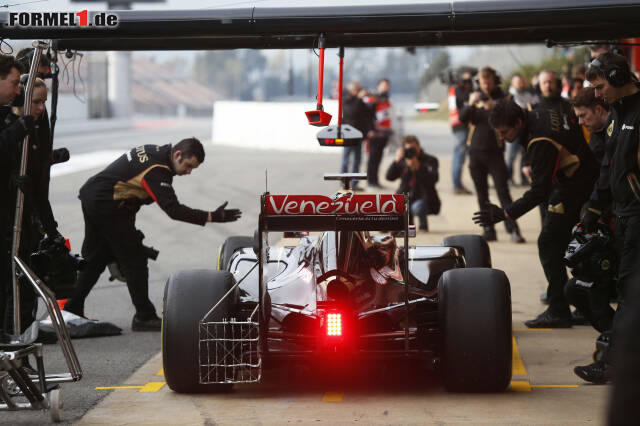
<point x="474" y="98"/>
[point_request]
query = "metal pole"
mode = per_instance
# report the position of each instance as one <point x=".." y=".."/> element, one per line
<point x="17" y="224"/>
<point x="55" y="83"/>
<point x="405" y="266"/>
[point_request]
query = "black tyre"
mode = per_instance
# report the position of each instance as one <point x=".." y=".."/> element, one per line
<point x="188" y="296"/>
<point x="476" y="249"/>
<point x="229" y="247"/>
<point x="475" y="321"/>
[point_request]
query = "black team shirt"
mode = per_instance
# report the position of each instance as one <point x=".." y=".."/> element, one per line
<point x="141" y="176"/>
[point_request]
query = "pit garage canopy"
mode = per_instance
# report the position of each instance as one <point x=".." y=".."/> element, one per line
<point x="431" y="22"/>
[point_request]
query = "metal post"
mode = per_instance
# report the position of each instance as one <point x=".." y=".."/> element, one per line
<point x="407" y="212"/>
<point x="17" y="224"/>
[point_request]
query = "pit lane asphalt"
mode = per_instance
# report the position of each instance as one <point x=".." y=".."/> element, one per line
<point x="237" y="175"/>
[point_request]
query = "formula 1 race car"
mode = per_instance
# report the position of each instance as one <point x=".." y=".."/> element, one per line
<point x="341" y="290"/>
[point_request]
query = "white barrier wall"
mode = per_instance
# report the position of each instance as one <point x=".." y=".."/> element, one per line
<point x="269" y="125"/>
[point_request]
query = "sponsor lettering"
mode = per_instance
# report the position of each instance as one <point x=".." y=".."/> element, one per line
<point x="626" y="127"/>
<point x="142" y="155"/>
<point x="351" y="204"/>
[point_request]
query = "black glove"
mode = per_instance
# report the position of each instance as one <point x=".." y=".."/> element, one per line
<point x="590" y="220"/>
<point x="225" y="215"/>
<point x="27" y="122"/>
<point x="488" y="216"/>
<point x="22" y="182"/>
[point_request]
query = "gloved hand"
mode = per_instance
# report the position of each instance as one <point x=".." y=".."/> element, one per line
<point x="22" y="182"/>
<point x="590" y="220"/>
<point x="489" y="215"/>
<point x="27" y="122"/>
<point x="225" y="215"/>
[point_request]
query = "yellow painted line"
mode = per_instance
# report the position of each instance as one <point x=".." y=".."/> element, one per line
<point x="520" y="386"/>
<point x="152" y="387"/>
<point x="160" y="373"/>
<point x="517" y="365"/>
<point x="332" y="397"/>
<point x="118" y="387"/>
<point x="555" y="386"/>
<point x="532" y="329"/>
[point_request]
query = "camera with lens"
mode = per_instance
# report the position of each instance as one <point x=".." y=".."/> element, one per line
<point x="410" y="152"/>
<point x="116" y="271"/>
<point x="592" y="257"/>
<point x="56" y="266"/>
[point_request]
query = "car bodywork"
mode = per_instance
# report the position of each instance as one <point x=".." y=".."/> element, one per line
<point x="344" y="270"/>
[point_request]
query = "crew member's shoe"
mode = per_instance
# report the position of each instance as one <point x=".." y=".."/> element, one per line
<point x="549" y="320"/>
<point x="461" y="190"/>
<point x="517" y="238"/>
<point x="146" y="324"/>
<point x="598" y="373"/>
<point x="489" y="234"/>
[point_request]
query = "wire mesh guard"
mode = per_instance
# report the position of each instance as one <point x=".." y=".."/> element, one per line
<point x="229" y="352"/>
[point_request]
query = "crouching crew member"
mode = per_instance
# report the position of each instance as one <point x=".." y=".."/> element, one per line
<point x="110" y="201"/>
<point x="563" y="173"/>
<point x="618" y="187"/>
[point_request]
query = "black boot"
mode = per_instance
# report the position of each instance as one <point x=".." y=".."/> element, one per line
<point x="547" y="319"/>
<point x="146" y="323"/>
<point x="598" y="373"/>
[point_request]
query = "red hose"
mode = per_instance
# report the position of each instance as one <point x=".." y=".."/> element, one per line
<point x="340" y="92"/>
<point x="320" y="77"/>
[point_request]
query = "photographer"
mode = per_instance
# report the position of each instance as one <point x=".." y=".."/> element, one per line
<point x="355" y="113"/>
<point x="38" y="216"/>
<point x="419" y="174"/>
<point x="12" y="132"/>
<point x="110" y="201"/>
<point x="486" y="152"/>
<point x="458" y="96"/>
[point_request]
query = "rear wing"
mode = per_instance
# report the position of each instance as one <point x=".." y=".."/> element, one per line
<point x="344" y="212"/>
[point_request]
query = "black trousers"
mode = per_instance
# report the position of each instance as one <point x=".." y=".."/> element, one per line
<point x="376" y="148"/>
<point x="624" y="408"/>
<point x="481" y="165"/>
<point x="593" y="302"/>
<point x="628" y="243"/>
<point x="30" y="237"/>
<point x="110" y="234"/>
<point x="553" y="240"/>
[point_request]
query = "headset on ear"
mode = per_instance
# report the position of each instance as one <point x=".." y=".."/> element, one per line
<point x="616" y="76"/>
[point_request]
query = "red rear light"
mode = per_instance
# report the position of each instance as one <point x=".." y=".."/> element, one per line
<point x="334" y="324"/>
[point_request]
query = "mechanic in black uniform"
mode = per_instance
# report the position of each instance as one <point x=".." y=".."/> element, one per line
<point x="486" y="151"/>
<point x="38" y="218"/>
<point x="11" y="134"/>
<point x="592" y="113"/>
<point x="563" y="173"/>
<point x="593" y="300"/>
<point x="618" y="187"/>
<point x="418" y="173"/>
<point x="110" y="201"/>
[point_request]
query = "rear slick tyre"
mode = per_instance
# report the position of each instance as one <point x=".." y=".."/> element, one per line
<point x="476" y="249"/>
<point x="475" y="323"/>
<point x="188" y="296"/>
